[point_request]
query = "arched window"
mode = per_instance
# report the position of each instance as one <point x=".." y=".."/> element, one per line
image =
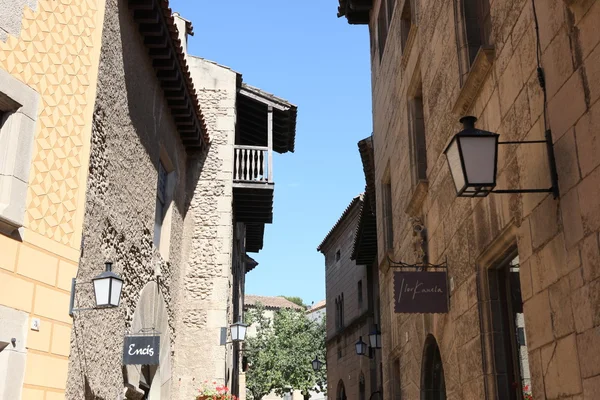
<point x="361" y="387"/>
<point x="473" y="30"/>
<point x="433" y="386"/>
<point x="341" y="391"/>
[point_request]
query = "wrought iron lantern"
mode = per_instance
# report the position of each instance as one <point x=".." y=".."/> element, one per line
<point x="361" y="347"/>
<point x="238" y="331"/>
<point x="107" y="288"/>
<point x="472" y="157"/>
<point x="316" y="364"/>
<point x="375" y="338"/>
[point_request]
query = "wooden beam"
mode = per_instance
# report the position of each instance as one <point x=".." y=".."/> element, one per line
<point x="141" y="4"/>
<point x="163" y="53"/>
<point x="152" y="29"/>
<point x="262" y="99"/>
<point x="146" y="16"/>
<point x="155" y="41"/>
<point x="270" y="142"/>
<point x="160" y="64"/>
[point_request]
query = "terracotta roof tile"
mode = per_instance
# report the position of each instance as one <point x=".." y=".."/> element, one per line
<point x="277" y="302"/>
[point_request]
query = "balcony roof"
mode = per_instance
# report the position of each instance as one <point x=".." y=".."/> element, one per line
<point x="355" y="11"/>
<point x="252" y="112"/>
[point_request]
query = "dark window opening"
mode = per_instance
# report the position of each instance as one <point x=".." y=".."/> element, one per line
<point x="381" y="29"/>
<point x="391" y="4"/>
<point x="396" y="387"/>
<point x="361" y="388"/>
<point x="477" y="23"/>
<point x="509" y="335"/>
<point x="360" y="294"/>
<point x="338" y="255"/>
<point x="418" y="142"/>
<point x="405" y="24"/>
<point x="388" y="217"/>
<point x="433" y="385"/>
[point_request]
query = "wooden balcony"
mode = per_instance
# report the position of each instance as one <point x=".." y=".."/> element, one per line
<point x="252" y="165"/>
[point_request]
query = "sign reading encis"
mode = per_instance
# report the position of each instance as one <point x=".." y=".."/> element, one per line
<point x="141" y="350"/>
<point x="420" y="292"/>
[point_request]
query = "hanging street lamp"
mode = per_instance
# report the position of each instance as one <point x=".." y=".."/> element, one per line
<point x="472" y="157"/>
<point x="316" y="364"/>
<point x="375" y="338"/>
<point x="238" y="331"/>
<point x="107" y="290"/>
<point x="361" y="347"/>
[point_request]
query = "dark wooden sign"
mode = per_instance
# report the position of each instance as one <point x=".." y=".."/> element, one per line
<point x="420" y="292"/>
<point x="141" y="350"/>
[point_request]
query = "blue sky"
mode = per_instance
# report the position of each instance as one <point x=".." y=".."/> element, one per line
<point x="301" y="51"/>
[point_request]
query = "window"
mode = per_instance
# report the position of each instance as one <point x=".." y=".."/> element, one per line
<point x="417" y="137"/>
<point x="391" y="4"/>
<point x="18" y="115"/>
<point x="473" y="30"/>
<point x="396" y="387"/>
<point x="339" y="349"/>
<point x="387" y="216"/>
<point x="361" y="387"/>
<point x="513" y="377"/>
<point x="162" y="216"/>
<point x="405" y="24"/>
<point x="338" y="255"/>
<point x="360" y="294"/>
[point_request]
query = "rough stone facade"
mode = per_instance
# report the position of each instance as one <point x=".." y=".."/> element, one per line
<point x="132" y="132"/>
<point x="347" y="315"/>
<point x="556" y="239"/>
<point x="206" y="298"/>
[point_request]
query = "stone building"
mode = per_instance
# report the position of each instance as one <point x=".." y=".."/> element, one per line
<point x="522" y="268"/>
<point x="49" y="53"/>
<point x="180" y="188"/>
<point x="350" y="315"/>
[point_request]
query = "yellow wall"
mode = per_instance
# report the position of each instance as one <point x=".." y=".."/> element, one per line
<point x="57" y="55"/>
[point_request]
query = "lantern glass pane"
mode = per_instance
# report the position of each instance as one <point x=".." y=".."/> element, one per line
<point x="235" y="334"/>
<point x="101" y="287"/>
<point x="373" y="339"/>
<point x="242" y="331"/>
<point x="115" y="292"/>
<point x="479" y="155"/>
<point x="455" y="165"/>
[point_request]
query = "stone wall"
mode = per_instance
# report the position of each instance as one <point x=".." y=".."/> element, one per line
<point x="132" y="130"/>
<point x="341" y="277"/>
<point x="557" y="240"/>
<point x="206" y="296"/>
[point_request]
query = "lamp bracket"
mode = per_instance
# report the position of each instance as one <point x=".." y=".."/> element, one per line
<point x="551" y="161"/>
<point x="419" y="266"/>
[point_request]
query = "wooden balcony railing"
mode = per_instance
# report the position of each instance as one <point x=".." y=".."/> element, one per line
<point x="252" y="164"/>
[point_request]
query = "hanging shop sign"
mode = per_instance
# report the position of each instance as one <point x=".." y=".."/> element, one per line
<point x="420" y="292"/>
<point x="141" y="350"/>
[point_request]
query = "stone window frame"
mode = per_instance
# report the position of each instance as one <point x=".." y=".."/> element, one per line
<point x="387" y="205"/>
<point x="12" y="354"/>
<point x="163" y="221"/>
<point x="503" y="249"/>
<point x="19" y="104"/>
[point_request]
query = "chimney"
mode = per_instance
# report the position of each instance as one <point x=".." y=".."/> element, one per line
<point x="184" y="27"/>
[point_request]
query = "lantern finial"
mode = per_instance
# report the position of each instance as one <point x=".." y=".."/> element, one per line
<point x="468" y="122"/>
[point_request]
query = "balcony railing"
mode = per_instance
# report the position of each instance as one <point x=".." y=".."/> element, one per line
<point x="252" y="164"/>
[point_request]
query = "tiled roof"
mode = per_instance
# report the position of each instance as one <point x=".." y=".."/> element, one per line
<point x="162" y="39"/>
<point x="273" y="303"/>
<point x="352" y="204"/>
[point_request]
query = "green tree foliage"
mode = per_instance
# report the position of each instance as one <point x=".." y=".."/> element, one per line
<point x="281" y="353"/>
<point x="295" y="299"/>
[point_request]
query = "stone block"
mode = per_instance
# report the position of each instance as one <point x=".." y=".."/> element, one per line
<point x="549" y="264"/>
<point x="469" y="360"/>
<point x="589" y="35"/>
<point x="16" y="292"/>
<point x="61" y="340"/>
<point x="558" y="65"/>
<point x="561" y="368"/>
<point x="565" y="150"/>
<point x="467" y="326"/>
<point x="9" y="248"/>
<point x="66" y="272"/>
<point x="538" y="320"/>
<point x="567" y="106"/>
<point x="545" y="222"/>
<point x="40" y="340"/>
<point x="537" y="374"/>
<point x="551" y="16"/>
<point x="525" y="277"/>
<point x="576" y="279"/>
<point x="588" y="141"/>
<point x="589" y="193"/>
<point x="560" y="305"/>
<point x="46" y="370"/>
<point x="510" y="83"/>
<point x="51" y="303"/>
<point x="571" y="218"/>
<point x="590" y="258"/>
<point x="37" y="265"/>
<point x="588" y="345"/>
<point x="586" y="306"/>
<point x="526" y="49"/>
<point x="33" y="394"/>
<point x="533" y="168"/>
<point x="524" y="240"/>
<point x="591" y="388"/>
